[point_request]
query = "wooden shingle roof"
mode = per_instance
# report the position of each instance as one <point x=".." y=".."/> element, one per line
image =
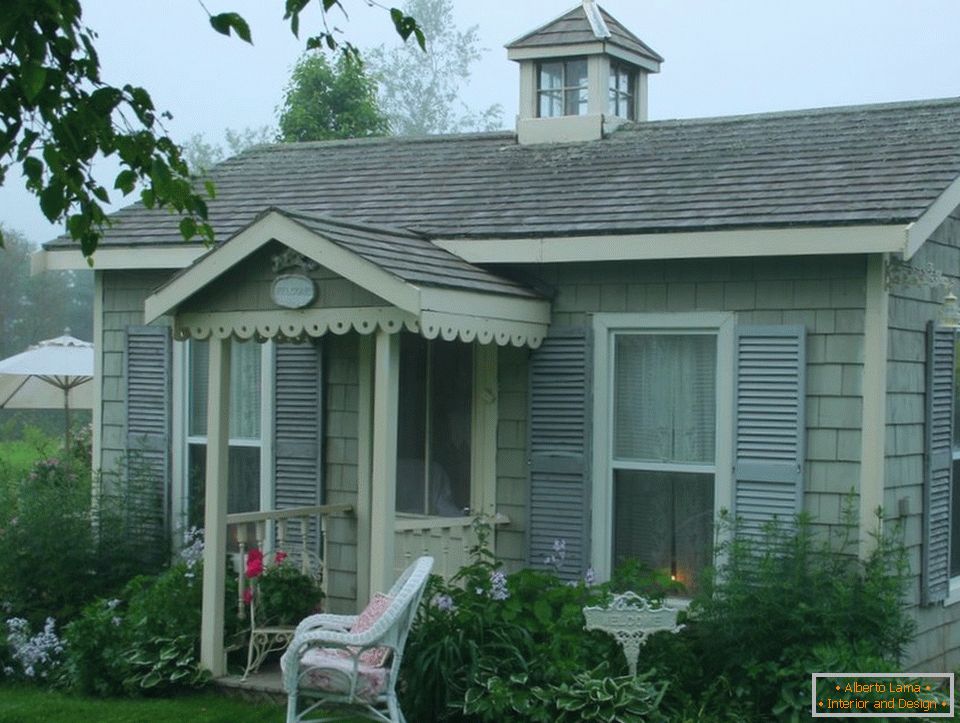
<point x="877" y="164"/>
<point x="573" y="28"/>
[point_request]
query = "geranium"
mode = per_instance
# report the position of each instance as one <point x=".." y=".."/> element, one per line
<point x="254" y="563"/>
<point x="247" y="595"/>
<point x="279" y="557"/>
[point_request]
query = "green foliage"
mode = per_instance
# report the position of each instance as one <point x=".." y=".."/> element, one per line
<point x="57" y="115"/>
<point x="286" y="595"/>
<point x="596" y="696"/>
<point x="58" y="551"/>
<point x="145" y="641"/>
<point x="420" y="92"/>
<point x="775" y="610"/>
<point x="202" y="155"/>
<point x="526" y="627"/>
<point x="325" y="101"/>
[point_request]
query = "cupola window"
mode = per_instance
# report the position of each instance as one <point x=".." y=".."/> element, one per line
<point x="562" y="88"/>
<point x="623" y="91"/>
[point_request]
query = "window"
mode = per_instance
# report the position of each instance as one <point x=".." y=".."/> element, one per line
<point x="664" y="441"/>
<point x="623" y="91"/>
<point x="246" y="428"/>
<point x="435" y="427"/>
<point x="562" y="88"/>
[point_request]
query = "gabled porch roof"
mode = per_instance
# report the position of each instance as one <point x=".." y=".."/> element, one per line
<point x="427" y="289"/>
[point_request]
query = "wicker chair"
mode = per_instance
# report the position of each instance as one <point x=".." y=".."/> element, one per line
<point x="328" y="668"/>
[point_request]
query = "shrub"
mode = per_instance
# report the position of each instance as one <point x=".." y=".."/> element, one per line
<point x="779" y="608"/>
<point x="148" y="639"/>
<point x="32" y="656"/>
<point x="285" y="594"/>
<point x="487" y="625"/>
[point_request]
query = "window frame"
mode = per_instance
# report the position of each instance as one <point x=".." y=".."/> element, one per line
<point x="606" y="327"/>
<point x="564" y="87"/>
<point x="616" y="96"/>
<point x="182" y="439"/>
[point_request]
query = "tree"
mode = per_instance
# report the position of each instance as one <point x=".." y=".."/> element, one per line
<point x="419" y="92"/>
<point x="201" y="155"/>
<point x="39" y="307"/>
<point x="325" y="101"/>
<point x="57" y="115"/>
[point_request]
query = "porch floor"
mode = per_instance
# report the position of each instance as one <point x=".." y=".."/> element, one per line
<point x="260" y="687"/>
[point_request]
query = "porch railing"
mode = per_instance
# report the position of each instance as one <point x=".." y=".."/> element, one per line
<point x="447" y="539"/>
<point x="291" y="529"/>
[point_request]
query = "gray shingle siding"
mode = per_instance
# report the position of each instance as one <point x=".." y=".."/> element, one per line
<point x="937" y="645"/>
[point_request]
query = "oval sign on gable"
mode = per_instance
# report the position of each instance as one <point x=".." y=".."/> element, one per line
<point x="293" y="291"/>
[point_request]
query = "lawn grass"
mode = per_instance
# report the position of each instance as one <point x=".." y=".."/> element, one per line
<point x="29" y="704"/>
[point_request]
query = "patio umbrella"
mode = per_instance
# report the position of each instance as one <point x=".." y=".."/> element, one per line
<point x="49" y="375"/>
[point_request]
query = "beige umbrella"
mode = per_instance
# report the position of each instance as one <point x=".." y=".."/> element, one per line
<point x="49" y="375"/>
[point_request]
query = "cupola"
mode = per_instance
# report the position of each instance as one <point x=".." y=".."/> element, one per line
<point x="581" y="75"/>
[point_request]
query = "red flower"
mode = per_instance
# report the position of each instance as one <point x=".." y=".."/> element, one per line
<point x="254" y="563"/>
<point x="247" y="595"/>
<point x="280" y="557"/>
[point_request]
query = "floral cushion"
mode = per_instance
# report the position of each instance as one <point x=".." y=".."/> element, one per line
<point x="374" y="657"/>
<point x="327" y="670"/>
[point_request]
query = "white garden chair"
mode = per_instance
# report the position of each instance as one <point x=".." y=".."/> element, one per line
<point x="352" y="661"/>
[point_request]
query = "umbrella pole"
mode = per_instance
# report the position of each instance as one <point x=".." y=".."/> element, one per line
<point x="66" y="428"/>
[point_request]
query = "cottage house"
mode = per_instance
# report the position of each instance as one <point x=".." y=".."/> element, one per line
<point x="601" y="328"/>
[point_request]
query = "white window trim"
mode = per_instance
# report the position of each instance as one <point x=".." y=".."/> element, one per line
<point x="605" y="326"/>
<point x="181" y="440"/>
<point x="953" y="596"/>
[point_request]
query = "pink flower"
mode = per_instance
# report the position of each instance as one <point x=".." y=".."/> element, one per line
<point x="254" y="563"/>
<point x="247" y="595"/>
<point x="280" y="557"/>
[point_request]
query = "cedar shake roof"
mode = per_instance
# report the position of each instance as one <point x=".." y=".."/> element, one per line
<point x="875" y="164"/>
<point x="574" y="28"/>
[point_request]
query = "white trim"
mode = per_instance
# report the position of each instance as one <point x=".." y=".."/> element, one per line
<point x="179" y="440"/>
<point x="365" y="356"/>
<point x="921" y="229"/>
<point x="483" y="444"/>
<point x="268" y="375"/>
<point x="824" y="240"/>
<point x="108" y="258"/>
<point x="386" y="378"/>
<point x="97" y="391"/>
<point x="595" y="47"/>
<point x="874" y="411"/>
<point x="605" y="326"/>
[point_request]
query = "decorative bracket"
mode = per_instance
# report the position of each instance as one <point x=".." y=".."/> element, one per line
<point x="901" y="273"/>
<point x="290" y="259"/>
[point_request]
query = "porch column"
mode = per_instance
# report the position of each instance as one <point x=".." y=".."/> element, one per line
<point x="386" y="381"/>
<point x="364" y="465"/>
<point x="215" y="508"/>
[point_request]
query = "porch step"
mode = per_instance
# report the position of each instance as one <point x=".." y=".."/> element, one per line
<point x="265" y="686"/>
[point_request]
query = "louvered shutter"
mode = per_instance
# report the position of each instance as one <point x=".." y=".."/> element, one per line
<point x="559" y="446"/>
<point x="147" y="464"/>
<point x="769" y="425"/>
<point x="297" y="433"/>
<point x="939" y="463"/>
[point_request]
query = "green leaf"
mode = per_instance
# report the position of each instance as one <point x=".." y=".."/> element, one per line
<point x="188" y="228"/>
<point x="225" y="22"/>
<point x="33" y="170"/>
<point x="32" y="79"/>
<point x="52" y="201"/>
<point x="125" y="181"/>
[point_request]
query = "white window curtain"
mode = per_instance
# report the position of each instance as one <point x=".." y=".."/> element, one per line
<point x="665" y="398"/>
<point x="244" y="389"/>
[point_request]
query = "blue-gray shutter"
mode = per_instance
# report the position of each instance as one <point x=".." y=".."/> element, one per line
<point x="147" y="464"/>
<point x="939" y="463"/>
<point x="769" y="425"/>
<point x="560" y="408"/>
<point x="297" y="432"/>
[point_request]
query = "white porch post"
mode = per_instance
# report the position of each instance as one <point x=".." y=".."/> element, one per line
<point x="386" y="380"/>
<point x="215" y="511"/>
<point x="364" y="466"/>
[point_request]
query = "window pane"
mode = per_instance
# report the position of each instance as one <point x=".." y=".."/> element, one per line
<point x="576" y="101"/>
<point x="551" y="104"/>
<point x="435" y="427"/>
<point x="665" y="397"/>
<point x="243" y="481"/>
<point x="244" y="389"/>
<point x="576" y="73"/>
<point x="551" y="76"/>
<point x="450" y="426"/>
<point x="664" y="520"/>
<point x="412" y="433"/>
